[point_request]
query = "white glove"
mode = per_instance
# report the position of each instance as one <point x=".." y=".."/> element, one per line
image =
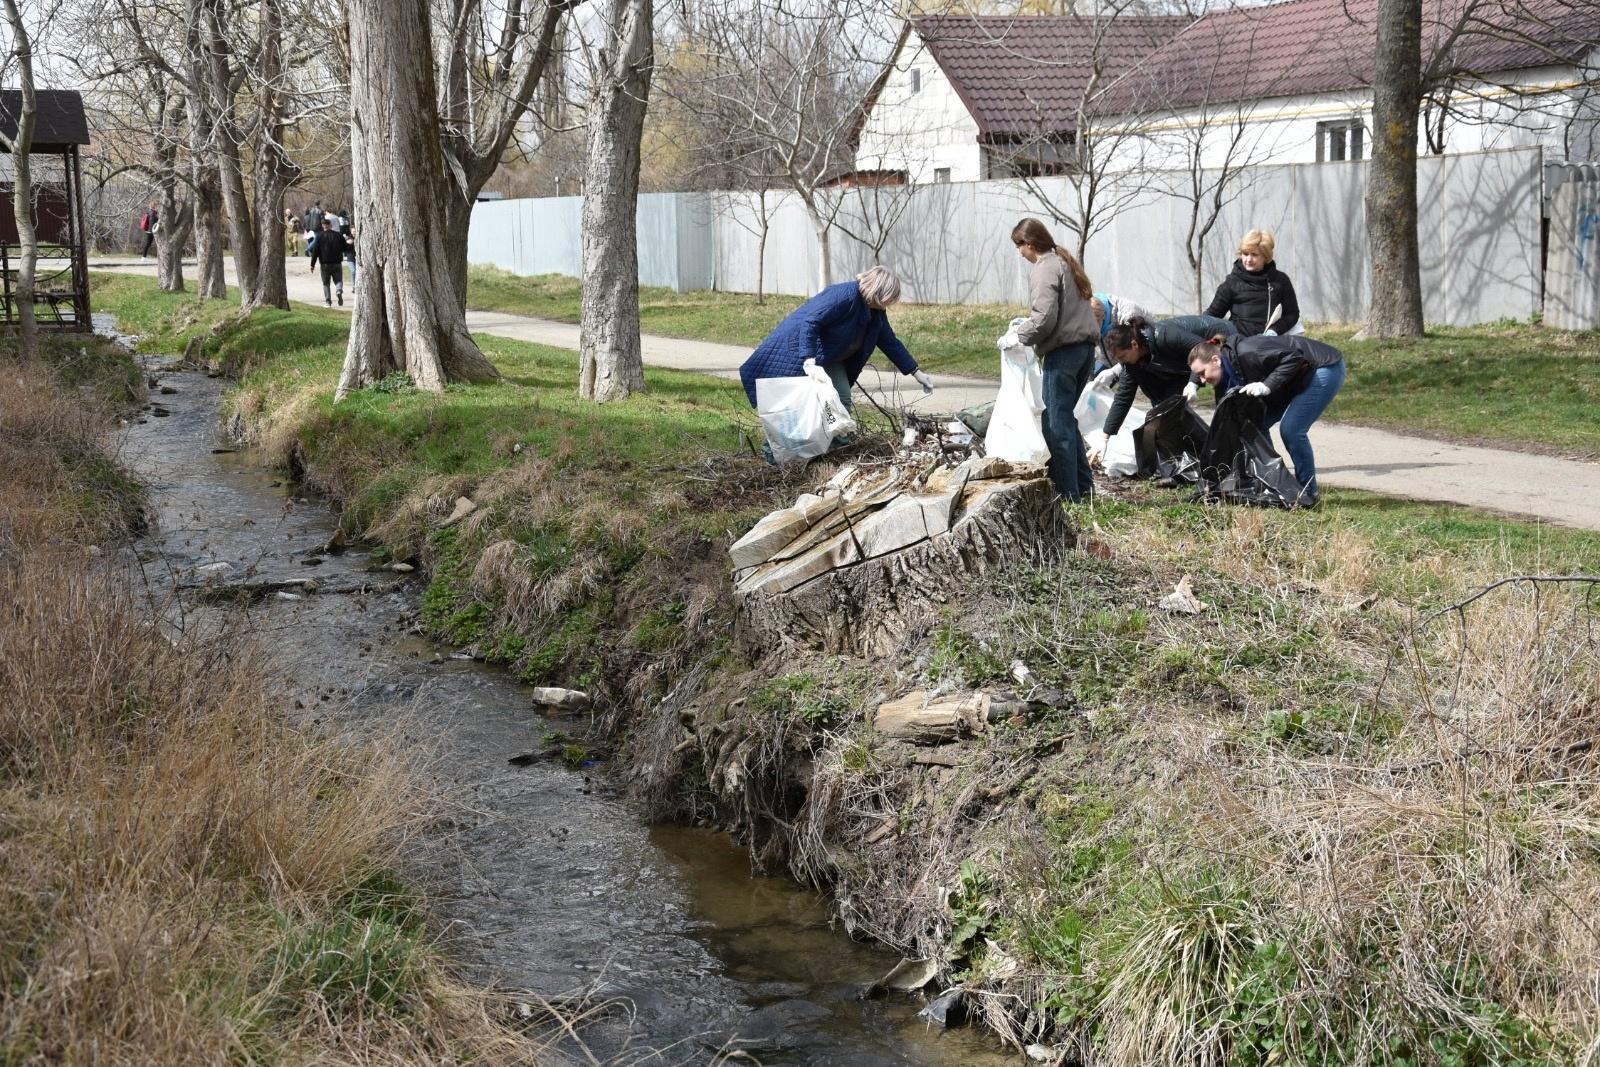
<point x="1269" y="333"/>
<point x="1190" y="391"/>
<point x="1096" y="441"/>
<point x="922" y="379"/>
<point x="1256" y="389"/>
<point x="1108" y="377"/>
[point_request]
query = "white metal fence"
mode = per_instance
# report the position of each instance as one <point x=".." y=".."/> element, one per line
<point x="1572" y="278"/>
<point x="950" y="243"/>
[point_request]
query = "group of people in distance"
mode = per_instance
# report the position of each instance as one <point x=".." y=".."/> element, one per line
<point x="330" y="242"/>
<point x="1248" y="338"/>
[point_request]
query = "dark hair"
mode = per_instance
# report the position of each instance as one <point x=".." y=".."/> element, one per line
<point x="1206" y="350"/>
<point x="1035" y="235"/>
<point x="1130" y="334"/>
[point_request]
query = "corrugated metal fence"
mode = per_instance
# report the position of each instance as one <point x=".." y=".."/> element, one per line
<point x="950" y="243"/>
<point x="1572" y="276"/>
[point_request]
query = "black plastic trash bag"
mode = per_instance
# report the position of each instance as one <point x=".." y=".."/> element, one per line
<point x="1169" y="443"/>
<point x="1238" y="464"/>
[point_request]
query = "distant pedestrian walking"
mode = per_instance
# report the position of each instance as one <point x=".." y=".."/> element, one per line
<point x="327" y="252"/>
<point x="150" y="225"/>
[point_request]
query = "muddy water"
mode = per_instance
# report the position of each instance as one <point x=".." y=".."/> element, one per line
<point x="547" y="878"/>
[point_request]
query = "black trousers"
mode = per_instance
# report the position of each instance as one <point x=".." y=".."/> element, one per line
<point x="332" y="278"/>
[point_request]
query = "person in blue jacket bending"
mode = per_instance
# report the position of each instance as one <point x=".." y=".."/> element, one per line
<point x="840" y="328"/>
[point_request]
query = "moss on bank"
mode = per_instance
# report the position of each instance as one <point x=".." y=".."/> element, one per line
<point x="1295" y="828"/>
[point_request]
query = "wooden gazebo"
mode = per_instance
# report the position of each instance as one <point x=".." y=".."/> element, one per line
<point x="61" y="285"/>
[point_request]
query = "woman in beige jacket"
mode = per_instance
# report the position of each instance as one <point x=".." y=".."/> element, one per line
<point x="1063" y="332"/>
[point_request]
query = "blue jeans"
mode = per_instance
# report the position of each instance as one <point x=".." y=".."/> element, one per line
<point x="841" y="382"/>
<point x="1066" y="373"/>
<point x="1295" y="414"/>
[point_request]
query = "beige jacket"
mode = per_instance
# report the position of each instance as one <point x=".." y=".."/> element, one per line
<point x="1060" y="316"/>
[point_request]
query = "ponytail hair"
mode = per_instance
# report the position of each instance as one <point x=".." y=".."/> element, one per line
<point x="1035" y="235"/>
<point x="1206" y="350"/>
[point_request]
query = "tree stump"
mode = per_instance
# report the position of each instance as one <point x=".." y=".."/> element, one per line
<point x="856" y="573"/>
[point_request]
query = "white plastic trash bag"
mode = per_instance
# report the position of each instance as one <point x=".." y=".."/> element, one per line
<point x="801" y="415"/>
<point x="1091" y="411"/>
<point x="1014" y="432"/>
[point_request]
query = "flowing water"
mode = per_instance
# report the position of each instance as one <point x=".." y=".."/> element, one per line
<point x="547" y="879"/>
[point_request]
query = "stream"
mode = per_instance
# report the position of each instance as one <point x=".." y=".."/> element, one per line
<point x="543" y="878"/>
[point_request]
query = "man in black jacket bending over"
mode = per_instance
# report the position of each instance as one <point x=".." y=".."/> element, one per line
<point x="328" y="250"/>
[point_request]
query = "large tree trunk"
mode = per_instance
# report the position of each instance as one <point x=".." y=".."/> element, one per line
<point x="406" y="317"/>
<point x="457" y="225"/>
<point x="208" y="223"/>
<point x="229" y="146"/>
<point x="1392" y="186"/>
<point x="610" y="361"/>
<point x="22" y="186"/>
<point x="210" y="278"/>
<point x="273" y="171"/>
<point x="172" y="237"/>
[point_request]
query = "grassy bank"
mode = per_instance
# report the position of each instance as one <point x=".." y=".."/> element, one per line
<point x="1517" y="385"/>
<point x="184" y="876"/>
<point x="1298" y="827"/>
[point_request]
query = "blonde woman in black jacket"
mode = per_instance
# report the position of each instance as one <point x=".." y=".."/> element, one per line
<point x="1248" y="295"/>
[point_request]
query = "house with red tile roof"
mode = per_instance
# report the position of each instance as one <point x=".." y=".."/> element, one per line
<point x="988" y="96"/>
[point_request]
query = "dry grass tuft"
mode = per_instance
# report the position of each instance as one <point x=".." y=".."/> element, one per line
<point x="184" y="876"/>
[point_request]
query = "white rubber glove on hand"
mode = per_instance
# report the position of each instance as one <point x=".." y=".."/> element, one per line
<point x="1190" y="391"/>
<point x="922" y="379"/>
<point x="1256" y="389"/>
<point x="1108" y="377"/>
<point x="1096" y="442"/>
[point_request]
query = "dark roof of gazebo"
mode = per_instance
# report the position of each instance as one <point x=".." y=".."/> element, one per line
<point x="59" y="124"/>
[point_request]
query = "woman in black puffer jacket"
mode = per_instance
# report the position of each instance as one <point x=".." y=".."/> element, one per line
<point x="1254" y="287"/>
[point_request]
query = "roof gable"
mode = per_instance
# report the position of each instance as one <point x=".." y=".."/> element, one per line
<point x="1305" y="47"/>
<point x="1024" y="76"/>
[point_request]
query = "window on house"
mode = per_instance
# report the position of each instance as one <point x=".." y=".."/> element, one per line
<point x="1339" y="141"/>
<point x="916" y="79"/>
<point x="941" y="174"/>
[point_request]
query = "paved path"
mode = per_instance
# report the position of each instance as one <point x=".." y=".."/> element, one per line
<point x="1559" y="490"/>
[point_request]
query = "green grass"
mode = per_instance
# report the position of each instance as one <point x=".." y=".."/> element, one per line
<point x="947" y="339"/>
<point x="1515" y="385"/>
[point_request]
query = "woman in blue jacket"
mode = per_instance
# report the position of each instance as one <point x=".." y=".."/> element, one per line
<point x="840" y="328"/>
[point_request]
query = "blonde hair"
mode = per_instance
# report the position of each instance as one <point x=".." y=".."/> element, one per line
<point x="878" y="287"/>
<point x="1262" y="241"/>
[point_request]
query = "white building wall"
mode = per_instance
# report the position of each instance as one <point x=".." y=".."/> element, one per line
<point x="1549" y="108"/>
<point x="923" y="131"/>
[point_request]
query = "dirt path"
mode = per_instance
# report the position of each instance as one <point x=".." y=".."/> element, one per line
<point x="1558" y="490"/>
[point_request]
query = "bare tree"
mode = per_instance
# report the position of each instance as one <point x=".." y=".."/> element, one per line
<point x="21" y="145"/>
<point x="498" y="54"/>
<point x="407" y="318"/>
<point x="1098" y="147"/>
<point x="780" y="88"/>
<point x="610" y="362"/>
